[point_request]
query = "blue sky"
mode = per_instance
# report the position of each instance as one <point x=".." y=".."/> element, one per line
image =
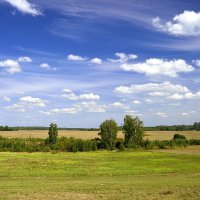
<point x="78" y="63"/>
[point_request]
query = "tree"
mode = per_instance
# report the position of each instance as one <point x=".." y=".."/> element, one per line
<point x="53" y="133"/>
<point x="108" y="133"/>
<point x="133" y="130"/>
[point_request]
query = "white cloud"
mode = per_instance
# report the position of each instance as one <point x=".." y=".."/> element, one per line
<point x="24" y="59"/>
<point x="119" y="105"/>
<point x="196" y="62"/>
<point x="91" y="107"/>
<point x="154" y="66"/>
<point x="148" y="101"/>
<point x="160" y="94"/>
<point x="5" y="98"/>
<point x="45" y="66"/>
<point x="137" y="102"/>
<point x="161" y="114"/>
<point x="11" y="66"/>
<point x="187" y="95"/>
<point x="122" y="58"/>
<point x="75" y="58"/>
<point x="151" y="87"/>
<point x="45" y="112"/>
<point x="96" y="61"/>
<point x="16" y="107"/>
<point x="185" y="114"/>
<point x="90" y="96"/>
<point x="71" y="96"/>
<point x="65" y="110"/>
<point x="33" y="101"/>
<point x="185" y="24"/>
<point x="67" y="90"/>
<point x="25" y="7"/>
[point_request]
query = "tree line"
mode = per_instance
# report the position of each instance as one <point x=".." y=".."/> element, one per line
<point x="183" y="127"/>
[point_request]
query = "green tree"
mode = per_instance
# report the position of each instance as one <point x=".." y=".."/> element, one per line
<point x="133" y="130"/>
<point x="53" y="133"/>
<point x="108" y="133"/>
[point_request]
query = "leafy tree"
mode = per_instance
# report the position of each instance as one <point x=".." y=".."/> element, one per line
<point x="197" y="126"/>
<point x="108" y="133"/>
<point x="133" y="130"/>
<point x="53" y="133"/>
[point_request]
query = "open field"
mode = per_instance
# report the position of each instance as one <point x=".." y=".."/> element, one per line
<point x="151" y="135"/>
<point x="100" y="175"/>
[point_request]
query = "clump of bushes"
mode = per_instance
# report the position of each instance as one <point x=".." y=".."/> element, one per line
<point x="179" y="137"/>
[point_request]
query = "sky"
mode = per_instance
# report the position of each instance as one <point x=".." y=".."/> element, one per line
<point x="77" y="63"/>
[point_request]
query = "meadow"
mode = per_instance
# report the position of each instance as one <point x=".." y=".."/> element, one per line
<point x="151" y="135"/>
<point x="101" y="175"/>
<point x="168" y="174"/>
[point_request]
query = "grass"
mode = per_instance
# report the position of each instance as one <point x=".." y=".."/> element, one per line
<point x="100" y="175"/>
<point x="151" y="135"/>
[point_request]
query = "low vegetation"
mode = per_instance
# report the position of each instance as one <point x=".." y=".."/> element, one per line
<point x="101" y="175"/>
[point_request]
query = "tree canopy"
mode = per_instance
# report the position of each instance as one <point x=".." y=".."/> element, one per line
<point x="53" y="133"/>
<point x="108" y="133"/>
<point x="133" y="130"/>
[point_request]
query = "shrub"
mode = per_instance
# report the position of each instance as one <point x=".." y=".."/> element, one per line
<point x="179" y="136"/>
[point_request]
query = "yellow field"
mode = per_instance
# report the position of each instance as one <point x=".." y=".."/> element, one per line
<point x="151" y="135"/>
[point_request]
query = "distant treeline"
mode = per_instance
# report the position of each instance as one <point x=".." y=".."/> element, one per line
<point x="183" y="127"/>
<point x="5" y="128"/>
<point x="18" y="128"/>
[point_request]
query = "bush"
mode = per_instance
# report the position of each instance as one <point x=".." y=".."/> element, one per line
<point x="179" y="137"/>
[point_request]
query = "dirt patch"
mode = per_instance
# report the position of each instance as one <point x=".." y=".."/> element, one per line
<point x="187" y="150"/>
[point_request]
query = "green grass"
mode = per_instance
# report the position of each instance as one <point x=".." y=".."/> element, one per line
<point x="99" y="175"/>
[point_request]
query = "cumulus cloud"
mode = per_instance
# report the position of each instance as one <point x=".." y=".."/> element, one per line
<point x="6" y="98"/>
<point x="118" y="105"/>
<point x="154" y="66"/>
<point x="90" y="96"/>
<point x="160" y="94"/>
<point x="71" y="96"/>
<point x="33" y="101"/>
<point x="196" y="62"/>
<point x="65" y="110"/>
<point x="11" y="66"/>
<point x="67" y="90"/>
<point x="97" y="61"/>
<point x="91" y="106"/>
<point x="16" y="108"/>
<point x="137" y="102"/>
<point x="152" y="87"/>
<point x="187" y="95"/>
<point x="72" y="57"/>
<point x="24" y="59"/>
<point x="184" y="24"/>
<point x="45" y="66"/>
<point x="25" y="7"/>
<point x="122" y="58"/>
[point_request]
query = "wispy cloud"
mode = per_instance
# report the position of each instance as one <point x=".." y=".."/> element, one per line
<point x="25" y="7"/>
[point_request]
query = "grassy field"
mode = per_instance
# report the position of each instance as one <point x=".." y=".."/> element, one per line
<point x="151" y="135"/>
<point x="101" y="175"/>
